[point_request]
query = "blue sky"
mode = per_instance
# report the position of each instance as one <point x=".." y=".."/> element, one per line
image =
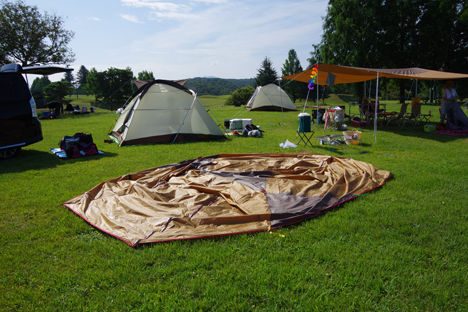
<point x="195" y="38"/>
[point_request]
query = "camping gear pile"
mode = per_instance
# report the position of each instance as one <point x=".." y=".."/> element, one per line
<point x="223" y="195"/>
<point x="78" y="145"/>
<point x="352" y="137"/>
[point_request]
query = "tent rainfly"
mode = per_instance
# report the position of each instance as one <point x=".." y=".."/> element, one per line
<point x="223" y="195"/>
<point x="270" y="98"/>
<point x="163" y="111"/>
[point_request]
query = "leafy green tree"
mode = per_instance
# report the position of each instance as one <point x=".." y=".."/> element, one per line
<point x="112" y="87"/>
<point x="241" y="96"/>
<point x="145" y="75"/>
<point x="266" y="73"/>
<point x="90" y="87"/>
<point x="39" y="84"/>
<point x="400" y="33"/>
<point x="292" y="65"/>
<point x="56" y="91"/>
<point x="30" y="37"/>
<point x="37" y="89"/>
<point x="314" y="55"/>
<point x="217" y="86"/>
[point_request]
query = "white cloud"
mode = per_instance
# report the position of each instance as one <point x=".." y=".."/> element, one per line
<point x="130" y="18"/>
<point x="154" y="5"/>
<point x="96" y="19"/>
<point x="172" y="15"/>
<point x="211" y="1"/>
<point x="229" y="39"/>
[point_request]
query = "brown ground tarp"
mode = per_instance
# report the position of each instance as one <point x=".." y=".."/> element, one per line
<point x="222" y="195"/>
<point x="348" y="74"/>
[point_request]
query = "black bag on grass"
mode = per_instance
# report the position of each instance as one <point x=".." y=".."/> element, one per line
<point x="80" y="144"/>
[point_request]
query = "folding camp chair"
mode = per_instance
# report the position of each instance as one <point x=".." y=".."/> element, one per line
<point x="305" y="137"/>
<point x="415" y="116"/>
<point x="399" y="116"/>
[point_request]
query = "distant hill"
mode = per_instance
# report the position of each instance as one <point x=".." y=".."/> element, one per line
<point x="217" y="86"/>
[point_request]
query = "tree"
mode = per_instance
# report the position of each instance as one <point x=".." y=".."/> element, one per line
<point x="241" y="96"/>
<point x="112" y="86"/>
<point x="37" y="90"/>
<point x="314" y="55"/>
<point x="68" y="76"/>
<point x="81" y="76"/>
<point x="39" y="84"/>
<point x="90" y="86"/>
<point x="30" y="37"/>
<point x="291" y="66"/>
<point x="145" y="75"/>
<point x="266" y="73"/>
<point x="56" y="91"/>
<point x="400" y="33"/>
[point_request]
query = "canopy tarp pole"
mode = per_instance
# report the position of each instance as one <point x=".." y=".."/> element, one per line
<point x="375" y="108"/>
<point x="318" y="86"/>
<point x="281" y="100"/>
<point x="305" y="103"/>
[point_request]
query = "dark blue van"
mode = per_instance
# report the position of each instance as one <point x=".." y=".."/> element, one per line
<point x="19" y="125"/>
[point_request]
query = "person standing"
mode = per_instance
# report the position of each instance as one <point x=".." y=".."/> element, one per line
<point x="450" y="110"/>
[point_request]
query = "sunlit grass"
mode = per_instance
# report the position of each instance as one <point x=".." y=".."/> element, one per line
<point x="400" y="248"/>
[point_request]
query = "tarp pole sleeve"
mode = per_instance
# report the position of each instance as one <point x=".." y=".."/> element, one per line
<point x="376" y="106"/>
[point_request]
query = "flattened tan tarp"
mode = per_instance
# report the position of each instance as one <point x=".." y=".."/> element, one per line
<point x="222" y="195"/>
<point x="349" y="74"/>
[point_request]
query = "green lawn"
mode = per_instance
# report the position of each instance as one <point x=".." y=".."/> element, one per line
<point x="403" y="247"/>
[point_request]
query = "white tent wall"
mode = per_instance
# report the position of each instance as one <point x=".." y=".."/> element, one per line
<point x="270" y="97"/>
<point x="252" y="98"/>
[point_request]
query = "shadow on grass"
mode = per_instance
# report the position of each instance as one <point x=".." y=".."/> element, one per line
<point x="343" y="150"/>
<point x="38" y="160"/>
<point x="418" y="132"/>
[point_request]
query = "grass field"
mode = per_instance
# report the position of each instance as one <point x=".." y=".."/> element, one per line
<point x="403" y="247"/>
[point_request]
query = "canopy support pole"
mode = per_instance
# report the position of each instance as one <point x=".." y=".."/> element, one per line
<point x="375" y="108"/>
<point x="318" y="99"/>
<point x="305" y="103"/>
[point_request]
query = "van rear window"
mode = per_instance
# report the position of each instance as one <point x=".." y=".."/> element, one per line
<point x="14" y="96"/>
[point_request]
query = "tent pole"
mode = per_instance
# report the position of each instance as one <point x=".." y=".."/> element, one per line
<point x="375" y="108"/>
<point x="185" y="117"/>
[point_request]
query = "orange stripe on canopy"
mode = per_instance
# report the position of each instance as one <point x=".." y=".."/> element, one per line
<point x="348" y="74"/>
